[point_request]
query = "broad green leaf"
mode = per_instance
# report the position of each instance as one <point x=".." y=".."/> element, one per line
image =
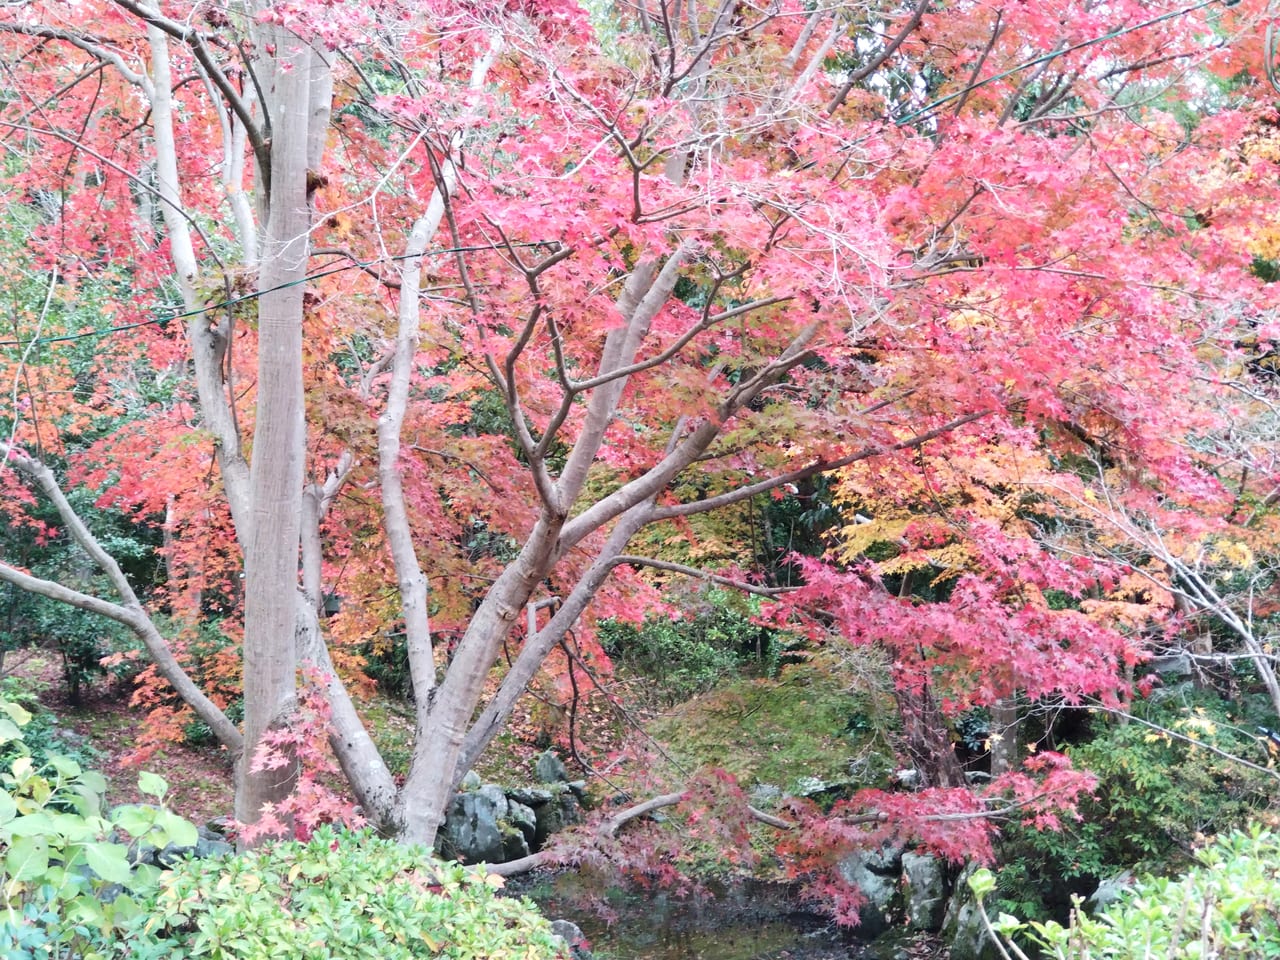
<point x="153" y="785"/>
<point x="133" y="819"/>
<point x="8" y="809"/>
<point x="9" y="731"/>
<point x="179" y="830"/>
<point x="982" y="883"/>
<point x="17" y="713"/>
<point x="31" y="825"/>
<point x="27" y="859"/>
<point x="65" y="766"/>
<point x="110" y="861"/>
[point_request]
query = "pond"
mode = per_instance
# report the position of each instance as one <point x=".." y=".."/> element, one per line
<point x="745" y="921"/>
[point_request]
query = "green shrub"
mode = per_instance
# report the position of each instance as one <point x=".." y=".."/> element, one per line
<point x="338" y="896"/>
<point x="690" y="656"/>
<point x="1228" y="905"/>
<point x="61" y="856"/>
<point x="41" y="736"/>
<point x="1157" y="792"/>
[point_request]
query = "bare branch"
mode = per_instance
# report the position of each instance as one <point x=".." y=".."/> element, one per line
<point x="812" y="470"/>
<point x="878" y="61"/>
<point x="192" y="38"/>
<point x="670" y="567"/>
<point x="131" y="613"/>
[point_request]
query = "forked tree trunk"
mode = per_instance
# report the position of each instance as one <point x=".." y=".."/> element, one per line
<point x="279" y="448"/>
<point x="928" y="739"/>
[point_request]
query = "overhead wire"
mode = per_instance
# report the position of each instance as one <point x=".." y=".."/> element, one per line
<point x="232" y="301"/>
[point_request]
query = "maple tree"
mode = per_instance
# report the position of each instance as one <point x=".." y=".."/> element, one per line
<point x="472" y="296"/>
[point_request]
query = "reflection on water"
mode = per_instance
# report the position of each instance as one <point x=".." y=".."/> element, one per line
<point x="743" y="922"/>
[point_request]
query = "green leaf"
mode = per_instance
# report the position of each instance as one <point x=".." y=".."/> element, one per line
<point x="110" y="861"/>
<point x="8" y="809"/>
<point x="179" y="830"/>
<point x="65" y="766"/>
<point x="31" y="825"/>
<point x="9" y="731"/>
<point x="17" y="713"/>
<point x="982" y="883"/>
<point x="28" y="858"/>
<point x="133" y="819"/>
<point x="152" y="785"/>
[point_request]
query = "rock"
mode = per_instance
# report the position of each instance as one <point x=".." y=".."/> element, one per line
<point x="765" y="794"/>
<point x="514" y="843"/>
<point x="1109" y="891"/>
<point x="808" y="786"/>
<point x="550" y="769"/>
<point x="962" y="927"/>
<point x="530" y="796"/>
<point x="224" y="827"/>
<point x="209" y="843"/>
<point x="471" y="830"/>
<point x="470" y="782"/>
<point x="896" y="944"/>
<point x="525" y="820"/>
<point x="907" y="779"/>
<point x="926" y="891"/>
<point x="573" y="938"/>
<point x="879" y="889"/>
<point x="1177" y="665"/>
<point x="885" y="860"/>
<point x="563" y="810"/>
<point x="579" y="788"/>
<point x="977" y="776"/>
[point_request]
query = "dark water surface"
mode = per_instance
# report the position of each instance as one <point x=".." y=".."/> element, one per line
<point x="747" y="921"/>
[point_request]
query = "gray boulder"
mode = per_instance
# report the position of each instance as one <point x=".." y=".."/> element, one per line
<point x="209" y="843"/>
<point x="879" y="888"/>
<point x="550" y="769"/>
<point x="573" y="938"/>
<point x="525" y="820"/>
<point x="530" y="796"/>
<point x="926" y="880"/>
<point x="962" y="927"/>
<point x="561" y="811"/>
<point x="472" y="829"/>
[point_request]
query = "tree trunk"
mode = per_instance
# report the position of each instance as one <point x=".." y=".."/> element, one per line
<point x="928" y="742"/>
<point x="279" y="446"/>
<point x="1005" y="726"/>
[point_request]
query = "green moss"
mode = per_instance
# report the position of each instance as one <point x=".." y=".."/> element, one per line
<point x="390" y="724"/>
<point x="818" y="719"/>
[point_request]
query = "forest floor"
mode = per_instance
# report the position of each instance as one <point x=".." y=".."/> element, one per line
<point x="104" y="727"/>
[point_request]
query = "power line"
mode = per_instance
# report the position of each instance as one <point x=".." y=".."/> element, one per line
<point x="231" y="302"/>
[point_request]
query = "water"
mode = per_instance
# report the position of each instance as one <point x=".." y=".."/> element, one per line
<point x="749" y="921"/>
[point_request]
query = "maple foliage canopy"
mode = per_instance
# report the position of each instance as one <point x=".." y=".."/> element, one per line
<point x="539" y="277"/>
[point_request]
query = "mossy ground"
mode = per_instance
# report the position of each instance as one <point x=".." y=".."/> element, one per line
<point x="822" y="719"/>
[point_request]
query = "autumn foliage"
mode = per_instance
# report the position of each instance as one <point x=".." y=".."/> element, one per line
<point x="570" y="278"/>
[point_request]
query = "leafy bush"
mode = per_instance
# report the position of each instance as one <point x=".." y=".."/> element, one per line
<point x="61" y="855"/>
<point x="690" y="656"/>
<point x="41" y="736"/>
<point x="338" y="896"/>
<point x="1157" y="791"/>
<point x="1226" y="906"/>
